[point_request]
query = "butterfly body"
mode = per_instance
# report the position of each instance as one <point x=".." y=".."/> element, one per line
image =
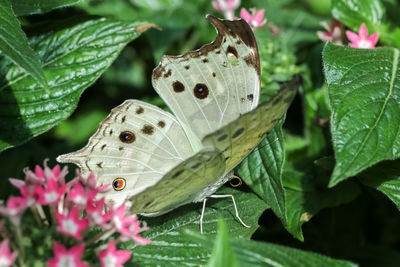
<point x="170" y="160"/>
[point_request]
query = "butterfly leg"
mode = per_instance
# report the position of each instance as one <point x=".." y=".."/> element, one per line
<point x="234" y="205"/>
<point x="202" y="215"/>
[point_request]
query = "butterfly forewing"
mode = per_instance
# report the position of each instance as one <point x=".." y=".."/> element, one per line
<point x="212" y="86"/>
<point x="237" y="139"/>
<point x="137" y="142"/>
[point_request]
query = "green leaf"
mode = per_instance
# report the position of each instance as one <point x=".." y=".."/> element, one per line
<point x="306" y="194"/>
<point x="27" y="7"/>
<point x="384" y="177"/>
<point x="14" y="43"/>
<point x="251" y="253"/>
<point x="365" y="98"/>
<point x="170" y="245"/>
<point x="222" y="254"/>
<point x="317" y="114"/>
<point x="73" y="59"/>
<point x="262" y="170"/>
<point x="355" y="12"/>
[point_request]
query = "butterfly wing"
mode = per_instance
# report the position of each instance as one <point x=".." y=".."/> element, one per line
<point x="186" y="183"/>
<point x="209" y="87"/>
<point x="237" y="139"/>
<point x="138" y="142"/>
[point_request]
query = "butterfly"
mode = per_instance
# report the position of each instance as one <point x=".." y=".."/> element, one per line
<point x="158" y="161"/>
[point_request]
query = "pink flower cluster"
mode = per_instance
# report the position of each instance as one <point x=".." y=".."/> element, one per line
<point x="75" y="206"/>
<point x="357" y="40"/>
<point x="228" y="7"/>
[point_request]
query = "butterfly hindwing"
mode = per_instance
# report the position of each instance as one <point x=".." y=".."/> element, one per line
<point x="209" y="87"/>
<point x="138" y="142"/>
<point x="237" y="139"/>
<point x="184" y="184"/>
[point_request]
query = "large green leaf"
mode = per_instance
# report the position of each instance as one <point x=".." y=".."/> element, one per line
<point x="385" y="177"/>
<point x="73" y="59"/>
<point x="262" y="170"/>
<point x="222" y="254"/>
<point x="306" y="193"/>
<point x="364" y="91"/>
<point x="14" y="43"/>
<point x="27" y="7"/>
<point x="354" y="12"/>
<point x="171" y="247"/>
<point x="251" y="253"/>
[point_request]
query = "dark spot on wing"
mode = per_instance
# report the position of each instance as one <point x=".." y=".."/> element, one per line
<point x="232" y="50"/>
<point x="148" y="129"/>
<point x="218" y="52"/>
<point x="127" y="137"/>
<point x="187" y="67"/>
<point x="168" y="73"/>
<point x="250" y="97"/>
<point x="222" y="137"/>
<point x="242" y="99"/>
<point x="177" y="173"/>
<point x="123" y="119"/>
<point x="147" y="204"/>
<point x="178" y="86"/>
<point x="200" y="90"/>
<point x="213" y="74"/>
<point x="205" y="60"/>
<point x="120" y="148"/>
<point x="238" y="42"/>
<point x="139" y="110"/>
<point x="238" y="132"/>
<point x="99" y="165"/>
<point x="158" y="71"/>
<point x="252" y="60"/>
<point x="103" y="146"/>
<point x="161" y="124"/>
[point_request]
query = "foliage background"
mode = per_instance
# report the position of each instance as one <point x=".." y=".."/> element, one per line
<point x="350" y="221"/>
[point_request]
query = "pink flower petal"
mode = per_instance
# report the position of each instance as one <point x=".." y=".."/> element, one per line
<point x="259" y="16"/>
<point x="363" y="32"/>
<point x="244" y="14"/>
<point x="216" y="6"/>
<point x="373" y="38"/>
<point x="352" y="36"/>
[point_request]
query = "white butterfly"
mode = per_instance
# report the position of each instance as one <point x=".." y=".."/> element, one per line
<point x="159" y="161"/>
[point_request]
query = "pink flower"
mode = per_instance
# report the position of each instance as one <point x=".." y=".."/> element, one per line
<point x="40" y="176"/>
<point x="51" y="194"/>
<point x="134" y="230"/>
<point x="255" y="19"/>
<point x="334" y="32"/>
<point x="227" y="7"/>
<point x="111" y="257"/>
<point x="79" y="197"/>
<point x="120" y="222"/>
<point x="64" y="257"/>
<point x="362" y="40"/>
<point x="71" y="224"/>
<point x="95" y="212"/>
<point x="91" y="184"/>
<point x="6" y="257"/>
<point x="14" y="209"/>
<point x="28" y="192"/>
